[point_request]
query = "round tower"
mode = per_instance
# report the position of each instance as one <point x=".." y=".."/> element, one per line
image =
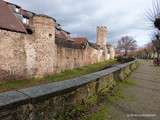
<point x="101" y="36"/>
<point x="45" y="48"/>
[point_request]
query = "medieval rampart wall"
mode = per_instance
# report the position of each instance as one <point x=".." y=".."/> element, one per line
<point x="23" y="56"/>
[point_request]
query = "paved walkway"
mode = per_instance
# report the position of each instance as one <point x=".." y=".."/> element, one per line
<point x="145" y="102"/>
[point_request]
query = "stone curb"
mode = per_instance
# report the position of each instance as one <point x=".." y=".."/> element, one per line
<point x="29" y="95"/>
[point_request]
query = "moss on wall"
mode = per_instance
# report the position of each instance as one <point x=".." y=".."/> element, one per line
<point x="68" y="104"/>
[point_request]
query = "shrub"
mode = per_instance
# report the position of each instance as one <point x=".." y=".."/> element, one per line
<point x="125" y="59"/>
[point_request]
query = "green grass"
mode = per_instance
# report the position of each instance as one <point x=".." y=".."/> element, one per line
<point x="118" y="92"/>
<point x="68" y="74"/>
<point x="100" y="115"/>
<point x="104" y="110"/>
<point x="80" y="71"/>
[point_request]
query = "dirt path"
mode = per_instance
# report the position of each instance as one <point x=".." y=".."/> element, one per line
<point x="144" y="96"/>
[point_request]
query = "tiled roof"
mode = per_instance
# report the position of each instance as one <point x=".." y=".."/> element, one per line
<point x="69" y="43"/>
<point x="11" y="20"/>
<point x="65" y="43"/>
<point x="8" y="20"/>
<point x="61" y="35"/>
<point x="13" y="4"/>
<point x="80" y="40"/>
<point x="27" y="14"/>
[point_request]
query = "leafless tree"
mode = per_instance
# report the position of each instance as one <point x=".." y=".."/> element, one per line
<point x="153" y="14"/>
<point x="149" y="50"/>
<point x="126" y="44"/>
<point x="156" y="43"/>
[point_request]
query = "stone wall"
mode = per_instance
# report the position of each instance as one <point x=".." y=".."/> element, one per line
<point x="46" y="102"/>
<point x="44" y="44"/>
<point x="12" y="55"/>
<point x="69" y="58"/>
<point x="23" y="56"/>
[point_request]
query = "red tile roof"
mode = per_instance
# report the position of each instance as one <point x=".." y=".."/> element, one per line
<point x="27" y="14"/>
<point x="67" y="43"/>
<point x="13" y="4"/>
<point x="62" y="34"/>
<point x="8" y="20"/>
<point x="80" y="40"/>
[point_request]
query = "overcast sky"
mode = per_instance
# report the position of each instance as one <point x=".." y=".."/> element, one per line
<point x="80" y="17"/>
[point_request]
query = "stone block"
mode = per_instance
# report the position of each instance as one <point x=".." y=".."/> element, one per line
<point x="9" y="99"/>
<point x="105" y="83"/>
<point x="46" y="102"/>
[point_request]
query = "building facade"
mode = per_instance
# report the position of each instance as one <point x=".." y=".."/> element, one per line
<point x="33" y="45"/>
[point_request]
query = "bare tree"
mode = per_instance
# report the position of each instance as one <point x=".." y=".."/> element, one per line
<point x="149" y="50"/>
<point x="154" y="14"/>
<point x="126" y="44"/>
<point x="156" y="44"/>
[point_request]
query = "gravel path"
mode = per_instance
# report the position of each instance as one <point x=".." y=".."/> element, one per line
<point x="144" y="97"/>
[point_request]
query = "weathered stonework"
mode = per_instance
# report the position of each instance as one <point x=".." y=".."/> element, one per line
<point x="101" y="36"/>
<point x="12" y="55"/>
<point x="23" y="56"/>
<point x="35" y="45"/>
<point x="30" y="55"/>
<point x="49" y="102"/>
<point x="44" y="43"/>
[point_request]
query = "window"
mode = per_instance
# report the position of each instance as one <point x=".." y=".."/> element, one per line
<point x="25" y="21"/>
<point x="50" y="35"/>
<point x="17" y="10"/>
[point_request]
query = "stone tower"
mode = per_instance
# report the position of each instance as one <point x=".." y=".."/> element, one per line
<point x="44" y="43"/>
<point x="101" y="36"/>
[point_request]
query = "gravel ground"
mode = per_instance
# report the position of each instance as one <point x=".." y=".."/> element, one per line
<point x="143" y="99"/>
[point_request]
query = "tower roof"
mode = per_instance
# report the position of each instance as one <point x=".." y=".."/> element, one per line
<point x="8" y="20"/>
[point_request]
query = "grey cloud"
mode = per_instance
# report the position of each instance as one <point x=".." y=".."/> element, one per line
<point x="82" y="17"/>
